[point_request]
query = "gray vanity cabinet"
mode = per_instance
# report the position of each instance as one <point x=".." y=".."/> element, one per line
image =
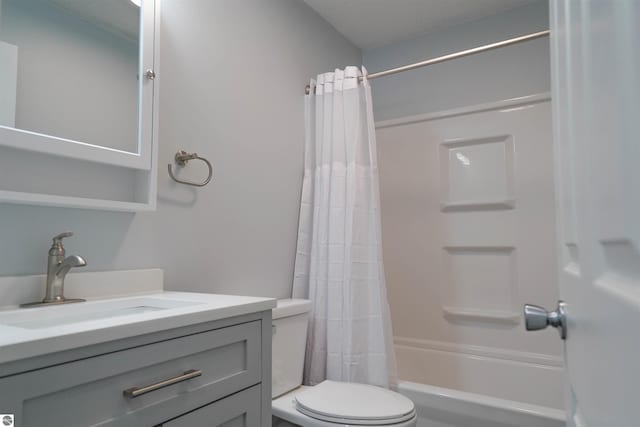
<point x="211" y="374"/>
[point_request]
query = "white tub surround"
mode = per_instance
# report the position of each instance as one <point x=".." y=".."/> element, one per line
<point x="505" y="374"/>
<point x="442" y="407"/>
<point x="469" y="237"/>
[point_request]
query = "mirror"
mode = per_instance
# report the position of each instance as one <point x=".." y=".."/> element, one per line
<point x="79" y="103"/>
<point x="70" y="70"/>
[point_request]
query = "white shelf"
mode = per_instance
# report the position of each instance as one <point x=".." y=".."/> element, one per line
<point x="38" y="199"/>
<point x="470" y="314"/>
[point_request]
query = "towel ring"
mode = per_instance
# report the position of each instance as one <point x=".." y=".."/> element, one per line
<point x="182" y="158"/>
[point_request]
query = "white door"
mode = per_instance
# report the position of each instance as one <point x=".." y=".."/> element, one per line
<point x="596" y="118"/>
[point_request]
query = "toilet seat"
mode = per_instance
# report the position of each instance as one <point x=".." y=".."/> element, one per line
<point x="354" y="404"/>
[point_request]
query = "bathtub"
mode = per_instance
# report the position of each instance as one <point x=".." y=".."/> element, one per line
<point x="442" y="407"/>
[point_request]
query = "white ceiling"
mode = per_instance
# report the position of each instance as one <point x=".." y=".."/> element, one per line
<point x="374" y="23"/>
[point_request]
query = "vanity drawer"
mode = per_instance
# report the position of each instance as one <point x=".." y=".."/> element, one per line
<point x="91" y="392"/>
<point x="240" y="410"/>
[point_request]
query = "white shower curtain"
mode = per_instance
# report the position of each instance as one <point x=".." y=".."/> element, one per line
<point x="339" y="254"/>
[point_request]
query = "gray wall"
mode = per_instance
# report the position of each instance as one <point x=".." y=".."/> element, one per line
<point x="504" y="73"/>
<point x="86" y="62"/>
<point x="232" y="81"/>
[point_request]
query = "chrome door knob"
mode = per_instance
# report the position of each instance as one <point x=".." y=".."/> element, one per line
<point x="536" y="318"/>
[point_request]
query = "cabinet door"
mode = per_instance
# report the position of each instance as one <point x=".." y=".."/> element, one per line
<point x="239" y="410"/>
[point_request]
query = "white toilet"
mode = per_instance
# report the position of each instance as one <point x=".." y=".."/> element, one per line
<point x="330" y="403"/>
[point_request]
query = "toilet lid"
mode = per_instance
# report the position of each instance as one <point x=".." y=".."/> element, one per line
<point x="352" y="403"/>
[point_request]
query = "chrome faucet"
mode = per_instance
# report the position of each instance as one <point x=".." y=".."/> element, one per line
<point x="57" y="268"/>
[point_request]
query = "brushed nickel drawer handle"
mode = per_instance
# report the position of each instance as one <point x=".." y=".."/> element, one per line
<point x="139" y="391"/>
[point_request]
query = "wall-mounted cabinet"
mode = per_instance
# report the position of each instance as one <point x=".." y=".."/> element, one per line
<point x="9" y="73"/>
<point x="85" y="108"/>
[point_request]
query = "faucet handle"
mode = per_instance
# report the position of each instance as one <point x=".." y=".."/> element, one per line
<point x="56" y="247"/>
<point x="58" y="239"/>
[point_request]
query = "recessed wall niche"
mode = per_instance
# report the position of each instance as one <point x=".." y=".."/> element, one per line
<point x="480" y="283"/>
<point x="477" y="173"/>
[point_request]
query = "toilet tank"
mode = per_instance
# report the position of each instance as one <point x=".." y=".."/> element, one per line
<point x="289" y="334"/>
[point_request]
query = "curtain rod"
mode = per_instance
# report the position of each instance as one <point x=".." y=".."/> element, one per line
<point x="451" y="56"/>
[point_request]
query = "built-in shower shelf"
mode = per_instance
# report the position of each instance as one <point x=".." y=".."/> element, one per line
<point x="484" y="205"/>
<point x="467" y="314"/>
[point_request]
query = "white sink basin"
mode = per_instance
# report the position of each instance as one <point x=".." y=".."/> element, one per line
<point x="65" y="314"/>
<point x="29" y="332"/>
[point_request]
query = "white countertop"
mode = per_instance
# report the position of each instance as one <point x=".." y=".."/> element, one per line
<point x="23" y="335"/>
